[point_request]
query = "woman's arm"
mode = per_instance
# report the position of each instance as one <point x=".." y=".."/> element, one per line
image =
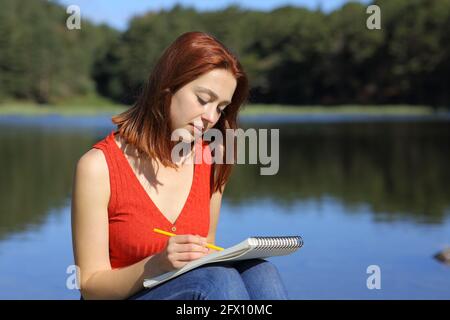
<point x="91" y="244"/>
<point x="90" y="199"/>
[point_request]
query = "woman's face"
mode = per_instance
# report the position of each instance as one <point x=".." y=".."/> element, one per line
<point x="198" y="105"/>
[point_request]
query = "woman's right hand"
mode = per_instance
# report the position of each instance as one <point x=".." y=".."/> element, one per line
<point x="180" y="250"/>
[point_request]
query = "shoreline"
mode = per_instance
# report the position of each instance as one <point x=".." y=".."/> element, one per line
<point x="103" y="121"/>
<point x="257" y="110"/>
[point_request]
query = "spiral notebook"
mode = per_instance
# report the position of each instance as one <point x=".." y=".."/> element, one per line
<point x="251" y="248"/>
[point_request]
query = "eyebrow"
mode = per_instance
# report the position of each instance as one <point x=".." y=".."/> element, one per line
<point x="211" y="93"/>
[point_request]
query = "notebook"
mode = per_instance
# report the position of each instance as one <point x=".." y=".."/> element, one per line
<point x="251" y="248"/>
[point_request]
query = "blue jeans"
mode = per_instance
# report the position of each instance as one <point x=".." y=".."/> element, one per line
<point x="254" y="279"/>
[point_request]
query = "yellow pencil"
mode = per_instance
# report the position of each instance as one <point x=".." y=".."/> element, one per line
<point x="211" y="246"/>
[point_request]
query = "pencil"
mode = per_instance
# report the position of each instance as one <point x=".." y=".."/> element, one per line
<point x="211" y="246"/>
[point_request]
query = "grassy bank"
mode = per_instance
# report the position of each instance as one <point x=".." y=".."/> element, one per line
<point x="96" y="107"/>
<point x="26" y="109"/>
<point x="340" y="109"/>
<point x="86" y="105"/>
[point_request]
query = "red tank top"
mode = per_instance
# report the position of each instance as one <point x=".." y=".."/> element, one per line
<point x="132" y="214"/>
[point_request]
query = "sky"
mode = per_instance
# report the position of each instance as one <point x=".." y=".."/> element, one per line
<point x="117" y="13"/>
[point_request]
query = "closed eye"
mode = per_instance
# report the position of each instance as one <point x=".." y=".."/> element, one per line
<point x="201" y="101"/>
<point x="219" y="110"/>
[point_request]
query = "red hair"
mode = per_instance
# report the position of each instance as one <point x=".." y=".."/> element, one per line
<point x="146" y="125"/>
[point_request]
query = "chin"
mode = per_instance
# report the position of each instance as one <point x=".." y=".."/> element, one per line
<point x="193" y="133"/>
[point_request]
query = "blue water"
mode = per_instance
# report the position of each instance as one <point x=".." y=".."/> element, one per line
<point x="339" y="246"/>
<point x="340" y="242"/>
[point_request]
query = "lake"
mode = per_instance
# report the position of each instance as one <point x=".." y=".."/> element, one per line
<point x="360" y="190"/>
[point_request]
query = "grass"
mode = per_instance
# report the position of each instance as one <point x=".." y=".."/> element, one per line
<point x="258" y="109"/>
<point x="94" y="105"/>
<point x="88" y="105"/>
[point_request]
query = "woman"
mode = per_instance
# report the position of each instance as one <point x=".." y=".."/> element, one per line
<point x="129" y="183"/>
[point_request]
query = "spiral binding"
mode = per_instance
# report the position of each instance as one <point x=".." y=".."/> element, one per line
<point x="285" y="242"/>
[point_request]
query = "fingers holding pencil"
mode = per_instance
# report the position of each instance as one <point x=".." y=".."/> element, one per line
<point x="190" y="238"/>
<point x="189" y="244"/>
<point x="182" y="249"/>
<point x="208" y="245"/>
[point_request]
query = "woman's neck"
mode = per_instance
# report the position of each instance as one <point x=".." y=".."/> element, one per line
<point x="187" y="153"/>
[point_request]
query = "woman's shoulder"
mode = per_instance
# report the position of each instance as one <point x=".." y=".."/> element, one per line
<point x="92" y="165"/>
<point x="93" y="156"/>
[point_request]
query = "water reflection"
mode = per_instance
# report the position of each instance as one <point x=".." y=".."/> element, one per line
<point x="399" y="170"/>
<point x="37" y="170"/>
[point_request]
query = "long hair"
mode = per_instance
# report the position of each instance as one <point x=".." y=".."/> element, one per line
<point x="146" y="125"/>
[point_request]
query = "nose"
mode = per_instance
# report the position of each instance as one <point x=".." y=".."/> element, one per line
<point x="209" y="115"/>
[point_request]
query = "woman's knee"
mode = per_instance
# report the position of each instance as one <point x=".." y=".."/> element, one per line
<point x="221" y="283"/>
<point x="262" y="279"/>
<point x="268" y="267"/>
<point x="260" y="265"/>
<point x="259" y="268"/>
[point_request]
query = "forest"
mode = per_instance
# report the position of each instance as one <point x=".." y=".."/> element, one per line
<point x="292" y="55"/>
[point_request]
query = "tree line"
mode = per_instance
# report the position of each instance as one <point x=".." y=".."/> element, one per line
<point x="292" y="55"/>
